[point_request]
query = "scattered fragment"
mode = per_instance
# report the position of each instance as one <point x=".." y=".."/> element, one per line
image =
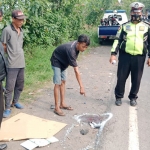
<point x="95" y="125"/>
<point x="84" y="131"/>
<point x="31" y="93"/>
<point x="29" y="145"/>
<point x="52" y="106"/>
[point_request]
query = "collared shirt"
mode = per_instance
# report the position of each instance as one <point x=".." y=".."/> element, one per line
<point x="65" y="55"/>
<point x="14" y="44"/>
<point x="134" y="39"/>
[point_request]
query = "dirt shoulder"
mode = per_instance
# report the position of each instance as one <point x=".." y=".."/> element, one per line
<point x="98" y="77"/>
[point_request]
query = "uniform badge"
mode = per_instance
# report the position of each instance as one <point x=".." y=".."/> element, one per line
<point x="136" y="5"/>
<point x="141" y="28"/>
<point x="128" y="28"/>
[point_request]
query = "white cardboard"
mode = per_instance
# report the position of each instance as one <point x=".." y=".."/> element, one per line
<point x="33" y="143"/>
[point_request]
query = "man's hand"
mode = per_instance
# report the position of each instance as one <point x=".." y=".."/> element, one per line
<point x="5" y="47"/>
<point x="77" y="73"/>
<point x="148" y="62"/>
<point x="82" y="92"/>
<point x="112" y="57"/>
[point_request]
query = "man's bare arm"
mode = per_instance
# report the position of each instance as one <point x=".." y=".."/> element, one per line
<point x="78" y="77"/>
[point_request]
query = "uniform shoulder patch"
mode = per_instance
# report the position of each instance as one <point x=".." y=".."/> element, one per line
<point x="146" y="23"/>
<point x="126" y="22"/>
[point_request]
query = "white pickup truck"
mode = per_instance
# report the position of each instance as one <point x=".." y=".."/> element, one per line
<point x="110" y="23"/>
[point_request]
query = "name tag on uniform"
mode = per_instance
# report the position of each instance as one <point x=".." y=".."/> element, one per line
<point x="128" y="28"/>
<point x="141" y="28"/>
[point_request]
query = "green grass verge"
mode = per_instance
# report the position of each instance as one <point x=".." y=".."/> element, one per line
<point x="38" y="70"/>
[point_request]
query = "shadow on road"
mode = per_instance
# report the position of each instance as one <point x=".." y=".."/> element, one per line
<point x="107" y="43"/>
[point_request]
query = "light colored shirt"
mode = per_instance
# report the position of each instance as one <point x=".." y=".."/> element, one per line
<point x="14" y="44"/>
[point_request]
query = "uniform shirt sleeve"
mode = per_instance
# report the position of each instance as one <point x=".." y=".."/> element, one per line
<point x="72" y="57"/>
<point x="148" y="39"/>
<point x="117" y="42"/>
<point x="5" y="36"/>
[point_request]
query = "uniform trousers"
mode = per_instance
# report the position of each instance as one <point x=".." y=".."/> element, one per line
<point x="14" y="83"/>
<point x="127" y="64"/>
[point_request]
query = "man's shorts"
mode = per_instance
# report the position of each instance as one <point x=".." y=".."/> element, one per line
<point x="58" y="75"/>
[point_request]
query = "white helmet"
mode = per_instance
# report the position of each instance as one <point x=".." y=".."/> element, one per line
<point x="137" y="6"/>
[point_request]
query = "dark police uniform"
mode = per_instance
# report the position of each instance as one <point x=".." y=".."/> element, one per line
<point x="133" y="43"/>
<point x="3" y="71"/>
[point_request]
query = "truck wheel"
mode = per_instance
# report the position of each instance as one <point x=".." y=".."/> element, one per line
<point x="101" y="41"/>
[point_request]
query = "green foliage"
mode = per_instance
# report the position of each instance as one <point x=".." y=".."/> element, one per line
<point x="38" y="65"/>
<point x="49" y="22"/>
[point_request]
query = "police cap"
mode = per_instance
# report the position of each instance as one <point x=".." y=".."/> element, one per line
<point x="137" y="6"/>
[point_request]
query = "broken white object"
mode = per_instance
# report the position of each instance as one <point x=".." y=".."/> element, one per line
<point x="114" y="61"/>
<point x="95" y="125"/>
<point x="40" y="142"/>
<point x="52" y="139"/>
<point x="29" y="145"/>
<point x="33" y="143"/>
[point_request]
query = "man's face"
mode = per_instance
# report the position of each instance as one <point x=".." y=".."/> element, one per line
<point x="136" y="17"/>
<point x="82" y="46"/>
<point x="18" y="22"/>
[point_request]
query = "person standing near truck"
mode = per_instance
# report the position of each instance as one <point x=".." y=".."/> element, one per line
<point x="133" y="43"/>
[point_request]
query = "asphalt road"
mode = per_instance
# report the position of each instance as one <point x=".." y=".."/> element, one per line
<point x="129" y="127"/>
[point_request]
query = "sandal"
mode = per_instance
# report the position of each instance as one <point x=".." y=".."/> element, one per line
<point x="67" y="108"/>
<point x="59" y="113"/>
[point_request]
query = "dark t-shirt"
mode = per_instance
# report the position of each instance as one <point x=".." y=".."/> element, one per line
<point x="65" y="55"/>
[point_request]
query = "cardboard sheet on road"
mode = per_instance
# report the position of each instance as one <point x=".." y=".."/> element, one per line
<point x="24" y="126"/>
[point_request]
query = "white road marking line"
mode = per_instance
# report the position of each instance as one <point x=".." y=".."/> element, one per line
<point x="133" y="128"/>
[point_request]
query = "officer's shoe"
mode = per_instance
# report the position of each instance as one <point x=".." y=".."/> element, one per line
<point x="118" y="102"/>
<point x="133" y="102"/>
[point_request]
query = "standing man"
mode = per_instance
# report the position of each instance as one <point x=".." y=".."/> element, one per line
<point x="3" y="71"/>
<point x="63" y="56"/>
<point x="12" y="40"/>
<point x="133" y="43"/>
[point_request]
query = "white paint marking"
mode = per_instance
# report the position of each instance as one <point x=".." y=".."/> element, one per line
<point x="97" y="142"/>
<point x="101" y="124"/>
<point x="133" y="128"/>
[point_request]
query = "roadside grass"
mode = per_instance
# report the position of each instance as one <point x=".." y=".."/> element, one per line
<point x="38" y="72"/>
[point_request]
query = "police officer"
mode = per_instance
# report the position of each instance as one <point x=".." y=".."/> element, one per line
<point x="132" y="44"/>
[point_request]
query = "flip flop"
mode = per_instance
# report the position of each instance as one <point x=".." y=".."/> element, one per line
<point x="59" y="113"/>
<point x="67" y="108"/>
